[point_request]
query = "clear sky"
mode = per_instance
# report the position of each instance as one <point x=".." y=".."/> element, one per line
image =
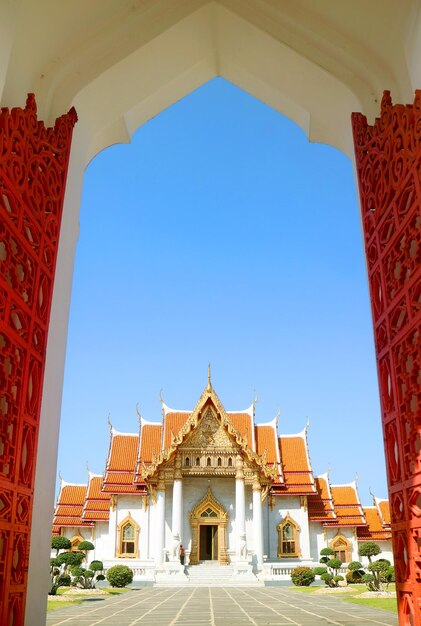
<point x="221" y="235"/>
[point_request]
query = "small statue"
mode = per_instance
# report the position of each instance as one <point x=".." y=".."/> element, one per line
<point x="175" y="547"/>
<point x="242" y="547"/>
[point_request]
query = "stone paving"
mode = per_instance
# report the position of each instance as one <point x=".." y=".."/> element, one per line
<point x="218" y="606"/>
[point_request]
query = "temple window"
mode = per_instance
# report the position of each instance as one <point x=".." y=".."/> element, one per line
<point x="75" y="541"/>
<point x="230" y="462"/>
<point x="187" y="462"/>
<point x="342" y="548"/>
<point x="197" y="461"/>
<point x="128" y="535"/>
<point x="219" y="461"/>
<point x="208" y="462"/>
<point x="209" y="513"/>
<point x="288" y="538"/>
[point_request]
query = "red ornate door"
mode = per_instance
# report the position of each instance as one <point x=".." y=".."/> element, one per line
<point x="33" y="170"/>
<point x="388" y="158"/>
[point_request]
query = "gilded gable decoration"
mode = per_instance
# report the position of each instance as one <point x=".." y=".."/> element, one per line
<point x="209" y="426"/>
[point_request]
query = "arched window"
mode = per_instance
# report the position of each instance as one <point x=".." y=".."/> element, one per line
<point x="208" y="462"/>
<point x="128" y="538"/>
<point x="197" y="461"/>
<point x="288" y="538"/>
<point x="219" y="461"/>
<point x="230" y="462"/>
<point x="342" y="548"/>
<point x="187" y="462"/>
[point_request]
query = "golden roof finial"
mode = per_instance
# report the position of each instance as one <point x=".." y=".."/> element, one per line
<point x="209" y="387"/>
<point x="109" y="422"/>
<point x="373" y="496"/>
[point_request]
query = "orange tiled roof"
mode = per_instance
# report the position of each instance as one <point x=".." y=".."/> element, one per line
<point x="69" y="507"/>
<point x="243" y="424"/>
<point x="374" y="529"/>
<point x="150" y="440"/>
<point x="121" y="464"/>
<point x="347" y="505"/>
<point x="266" y="440"/>
<point x="173" y="423"/>
<point x="297" y="472"/>
<point x="384" y="510"/>
<point x="320" y="506"/>
<point x="97" y="503"/>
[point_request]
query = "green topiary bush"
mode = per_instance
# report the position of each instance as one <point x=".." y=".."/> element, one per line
<point x="302" y="576"/>
<point x="86" y="545"/>
<point x="60" y="543"/>
<point x="119" y="575"/>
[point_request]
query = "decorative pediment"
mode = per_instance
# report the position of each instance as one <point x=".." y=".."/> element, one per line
<point x="208" y="509"/>
<point x="209" y="426"/>
<point x="209" y="434"/>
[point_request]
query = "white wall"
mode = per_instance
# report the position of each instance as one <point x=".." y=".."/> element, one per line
<point x="288" y="505"/>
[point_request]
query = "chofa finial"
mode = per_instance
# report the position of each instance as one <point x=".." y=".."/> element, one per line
<point x="139" y="416"/>
<point x="109" y="421"/>
<point x="209" y="387"/>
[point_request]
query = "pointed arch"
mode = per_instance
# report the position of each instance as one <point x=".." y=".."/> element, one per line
<point x="128" y="538"/>
<point x="342" y="548"/>
<point x="288" y="538"/>
<point x="209" y="511"/>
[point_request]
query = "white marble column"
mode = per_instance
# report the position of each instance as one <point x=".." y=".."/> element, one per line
<point x="257" y="521"/>
<point x="160" y="521"/>
<point x="177" y="509"/>
<point x="240" y="511"/>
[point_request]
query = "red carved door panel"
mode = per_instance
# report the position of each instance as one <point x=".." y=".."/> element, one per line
<point x="388" y="158"/>
<point x="33" y="170"/>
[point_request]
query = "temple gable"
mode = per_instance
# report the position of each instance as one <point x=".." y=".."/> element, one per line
<point x="209" y="435"/>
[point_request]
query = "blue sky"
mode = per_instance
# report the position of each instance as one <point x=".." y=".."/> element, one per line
<point x="221" y="235"/>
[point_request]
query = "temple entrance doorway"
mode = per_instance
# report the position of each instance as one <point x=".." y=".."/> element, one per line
<point x="208" y="542"/>
<point x="209" y="530"/>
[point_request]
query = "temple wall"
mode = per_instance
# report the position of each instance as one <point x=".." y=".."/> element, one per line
<point x="194" y="489"/>
<point x="349" y="534"/>
<point x="317" y="540"/>
<point x="287" y="505"/>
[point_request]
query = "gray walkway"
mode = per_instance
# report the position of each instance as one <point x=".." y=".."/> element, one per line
<point x="216" y="606"/>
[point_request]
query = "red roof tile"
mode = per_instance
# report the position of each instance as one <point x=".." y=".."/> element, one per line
<point x="374" y="529"/>
<point x="347" y="505"/>
<point x="173" y="423"/>
<point x="243" y="424"/>
<point x="266" y="440"/>
<point x="69" y="507"/>
<point x="297" y="472"/>
<point x="97" y="503"/>
<point x="121" y="464"/>
<point x="320" y="506"/>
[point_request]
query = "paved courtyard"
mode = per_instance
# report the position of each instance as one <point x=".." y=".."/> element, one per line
<point x="218" y="606"/>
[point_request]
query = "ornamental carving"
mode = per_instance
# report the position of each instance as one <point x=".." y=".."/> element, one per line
<point x="217" y="430"/>
<point x="209" y="512"/>
<point x="33" y="170"/>
<point x="209" y="434"/>
<point x="388" y="159"/>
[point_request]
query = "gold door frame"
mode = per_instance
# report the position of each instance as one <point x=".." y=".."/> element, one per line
<point x="221" y="520"/>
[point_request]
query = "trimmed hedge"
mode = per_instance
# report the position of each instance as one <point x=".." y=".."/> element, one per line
<point x="302" y="576"/>
<point x="119" y="576"/>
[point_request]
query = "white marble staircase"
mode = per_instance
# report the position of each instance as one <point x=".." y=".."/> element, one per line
<point x="213" y="574"/>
